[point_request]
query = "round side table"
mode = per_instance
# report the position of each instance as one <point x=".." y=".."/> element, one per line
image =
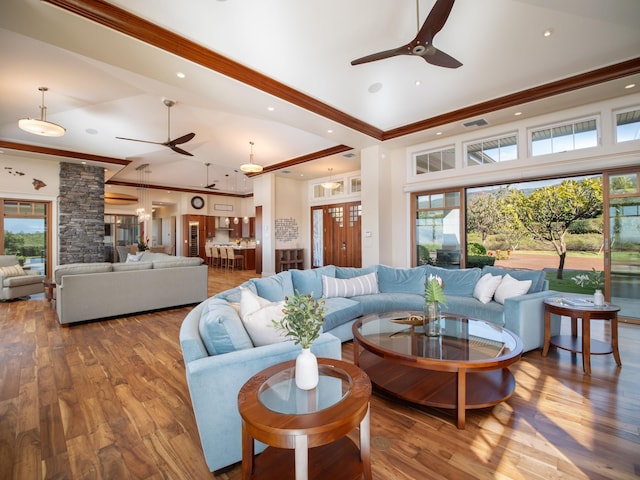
<point x="584" y="344"/>
<point x="313" y="423"/>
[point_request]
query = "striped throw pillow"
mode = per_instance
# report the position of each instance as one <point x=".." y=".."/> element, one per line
<point x="12" y="271"/>
<point x="350" y="287"/>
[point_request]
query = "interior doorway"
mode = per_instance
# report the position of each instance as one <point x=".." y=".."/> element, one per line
<point x="337" y="235"/>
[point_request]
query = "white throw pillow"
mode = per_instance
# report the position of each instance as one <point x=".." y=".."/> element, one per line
<point x="486" y="287"/>
<point x="257" y="315"/>
<point x="510" y="287"/>
<point x="131" y="257"/>
<point x="350" y="287"/>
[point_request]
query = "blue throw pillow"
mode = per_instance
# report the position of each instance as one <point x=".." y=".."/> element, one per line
<point x="221" y="329"/>
<point x="536" y="276"/>
<point x="352" y="272"/>
<point x="310" y="281"/>
<point x="275" y="287"/>
<point x="456" y="281"/>
<point x="401" y="280"/>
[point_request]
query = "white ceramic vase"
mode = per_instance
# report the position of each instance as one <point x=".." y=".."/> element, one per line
<point x="306" y="370"/>
<point x="598" y="298"/>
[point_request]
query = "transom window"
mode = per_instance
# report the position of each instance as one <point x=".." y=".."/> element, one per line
<point x="628" y="125"/>
<point x="492" y="150"/>
<point x="565" y="137"/>
<point x="435" y="161"/>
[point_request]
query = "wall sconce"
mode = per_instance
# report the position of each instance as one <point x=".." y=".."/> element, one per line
<point x="227" y="221"/>
<point x="236" y="220"/>
<point x="245" y="219"/>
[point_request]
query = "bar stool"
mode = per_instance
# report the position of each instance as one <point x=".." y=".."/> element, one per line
<point x="235" y="260"/>
<point x="215" y="256"/>
<point x="224" y="261"/>
<point x="209" y="254"/>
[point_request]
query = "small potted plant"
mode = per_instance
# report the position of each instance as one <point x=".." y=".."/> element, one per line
<point x="595" y="280"/>
<point x="433" y="296"/>
<point x="302" y="322"/>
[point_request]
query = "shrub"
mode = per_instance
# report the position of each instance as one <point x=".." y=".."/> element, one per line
<point x="474" y="248"/>
<point x="480" y="261"/>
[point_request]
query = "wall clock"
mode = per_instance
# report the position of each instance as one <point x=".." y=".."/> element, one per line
<point x="197" y="202"/>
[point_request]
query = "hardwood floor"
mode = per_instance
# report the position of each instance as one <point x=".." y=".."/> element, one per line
<point x="108" y="400"/>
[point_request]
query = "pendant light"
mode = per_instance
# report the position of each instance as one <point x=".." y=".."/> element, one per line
<point x="330" y="185"/>
<point x="251" y="167"/>
<point x="41" y="127"/>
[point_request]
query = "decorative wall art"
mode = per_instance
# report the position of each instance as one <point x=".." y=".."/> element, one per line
<point x="286" y="229"/>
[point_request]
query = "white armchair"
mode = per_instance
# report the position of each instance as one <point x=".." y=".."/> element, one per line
<point x="16" y="282"/>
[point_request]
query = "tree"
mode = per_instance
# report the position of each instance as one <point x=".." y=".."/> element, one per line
<point x="548" y="212"/>
<point x="483" y="215"/>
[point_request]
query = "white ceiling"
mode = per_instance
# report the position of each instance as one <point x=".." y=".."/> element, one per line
<point x="105" y="84"/>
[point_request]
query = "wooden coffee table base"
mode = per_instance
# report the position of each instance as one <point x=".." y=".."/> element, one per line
<point x="462" y="390"/>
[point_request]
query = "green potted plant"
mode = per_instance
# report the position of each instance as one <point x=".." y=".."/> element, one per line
<point x="302" y="322"/>
<point x="595" y="280"/>
<point x="433" y="296"/>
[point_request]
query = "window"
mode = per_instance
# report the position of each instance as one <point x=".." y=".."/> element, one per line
<point x="492" y="150"/>
<point x="435" y="161"/>
<point x="565" y="137"/>
<point x="356" y="185"/>
<point x="627" y="126"/>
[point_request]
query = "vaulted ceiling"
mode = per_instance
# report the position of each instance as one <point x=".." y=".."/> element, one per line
<point x="278" y="73"/>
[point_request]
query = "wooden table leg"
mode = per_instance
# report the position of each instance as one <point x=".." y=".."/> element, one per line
<point x="614" y="340"/>
<point x="247" y="453"/>
<point x="302" y="457"/>
<point x="462" y="398"/>
<point x="547" y="332"/>
<point x="586" y="343"/>
<point x="365" y="445"/>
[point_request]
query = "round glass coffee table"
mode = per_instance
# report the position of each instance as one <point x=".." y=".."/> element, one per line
<point x="463" y="368"/>
<point x="314" y="423"/>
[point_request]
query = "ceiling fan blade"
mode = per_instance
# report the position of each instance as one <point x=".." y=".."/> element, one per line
<point x="142" y="141"/>
<point x="381" y="55"/>
<point x="179" y="150"/>
<point x="435" y="21"/>
<point x="182" y="139"/>
<point x="441" y="59"/>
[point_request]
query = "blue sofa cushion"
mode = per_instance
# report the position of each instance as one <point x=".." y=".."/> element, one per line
<point x="351" y="272"/>
<point x="387" y="302"/>
<point x="536" y="276"/>
<point x="274" y="288"/>
<point x="233" y="295"/>
<point x="339" y="310"/>
<point x="472" y="307"/>
<point x="401" y="280"/>
<point x="221" y="329"/>
<point x="456" y="281"/>
<point x="310" y="281"/>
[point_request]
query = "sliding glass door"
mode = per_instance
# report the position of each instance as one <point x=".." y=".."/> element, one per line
<point x="623" y="256"/>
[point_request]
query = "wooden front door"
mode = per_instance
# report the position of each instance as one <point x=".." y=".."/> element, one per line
<point x="338" y="240"/>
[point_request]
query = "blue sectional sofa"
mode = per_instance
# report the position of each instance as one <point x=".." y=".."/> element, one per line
<point x="220" y="356"/>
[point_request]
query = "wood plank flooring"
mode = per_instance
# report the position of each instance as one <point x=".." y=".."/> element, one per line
<point x="108" y="400"/>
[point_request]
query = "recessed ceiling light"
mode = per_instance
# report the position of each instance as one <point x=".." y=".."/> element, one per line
<point x="438" y="133"/>
<point x="180" y="75"/>
<point x="418" y="83"/>
<point x="517" y="114"/>
<point x="329" y="131"/>
<point x="631" y="85"/>
<point x="375" y="87"/>
<point x="548" y="32"/>
<point x="271" y="109"/>
<point x="83" y="163"/>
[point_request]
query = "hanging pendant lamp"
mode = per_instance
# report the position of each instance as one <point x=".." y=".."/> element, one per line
<point x="330" y="185"/>
<point x="41" y="127"/>
<point x="251" y="167"/>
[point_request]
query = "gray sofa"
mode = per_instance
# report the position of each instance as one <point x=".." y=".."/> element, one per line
<point x="17" y="282"/>
<point x="88" y="291"/>
<point x="220" y="357"/>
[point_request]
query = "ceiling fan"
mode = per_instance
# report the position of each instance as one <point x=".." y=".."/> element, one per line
<point x="210" y="186"/>
<point x="422" y="45"/>
<point x="172" y="144"/>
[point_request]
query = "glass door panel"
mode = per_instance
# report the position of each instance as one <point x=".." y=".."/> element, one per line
<point x="624" y="243"/>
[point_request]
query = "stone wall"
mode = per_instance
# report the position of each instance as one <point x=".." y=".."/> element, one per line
<point x="81" y="214"/>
